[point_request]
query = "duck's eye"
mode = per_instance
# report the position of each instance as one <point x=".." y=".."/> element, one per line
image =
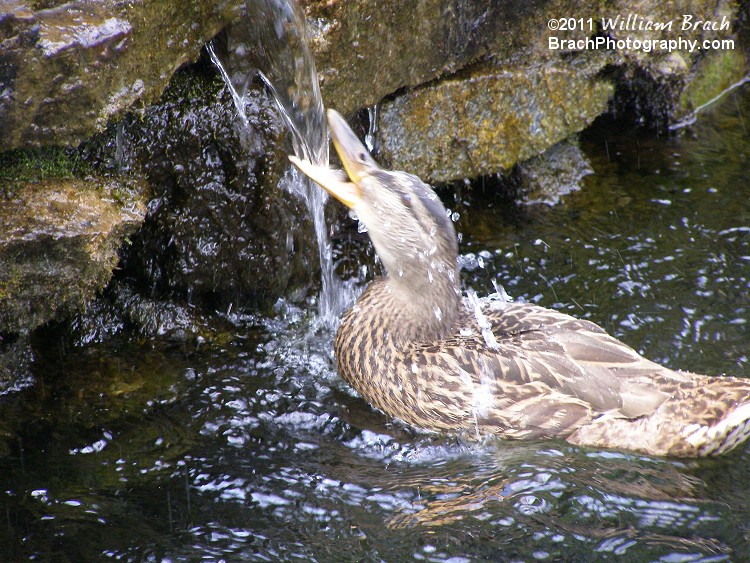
<point x="406" y="200"/>
<point x="362" y="157"/>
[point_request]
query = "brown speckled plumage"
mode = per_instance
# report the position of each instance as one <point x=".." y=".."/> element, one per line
<point x="553" y="375"/>
<point x="412" y="347"/>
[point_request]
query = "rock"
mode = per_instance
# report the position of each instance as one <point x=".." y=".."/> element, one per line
<point x="368" y="49"/>
<point x="711" y="76"/>
<point x="123" y="309"/>
<point x="488" y="119"/>
<point x="421" y="54"/>
<point x="662" y="88"/>
<point x="553" y="174"/>
<point x="66" y="71"/>
<point x="16" y="357"/>
<point x="219" y="230"/>
<point x="59" y="244"/>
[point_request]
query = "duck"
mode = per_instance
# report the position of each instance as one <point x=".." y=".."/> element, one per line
<point x="414" y="347"/>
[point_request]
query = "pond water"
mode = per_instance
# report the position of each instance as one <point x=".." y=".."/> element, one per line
<point x="247" y="446"/>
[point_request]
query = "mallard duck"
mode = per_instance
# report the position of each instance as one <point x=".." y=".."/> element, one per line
<point x="413" y="347"/>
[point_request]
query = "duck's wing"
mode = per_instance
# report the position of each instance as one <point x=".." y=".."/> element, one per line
<point x="585" y="359"/>
<point x="545" y="374"/>
<point x="581" y="358"/>
<point x="460" y="383"/>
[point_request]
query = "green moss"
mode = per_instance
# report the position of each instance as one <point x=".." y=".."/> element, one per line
<point x="714" y="74"/>
<point x="189" y="84"/>
<point x="35" y="165"/>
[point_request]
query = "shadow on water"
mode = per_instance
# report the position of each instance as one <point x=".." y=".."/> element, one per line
<point x="247" y="446"/>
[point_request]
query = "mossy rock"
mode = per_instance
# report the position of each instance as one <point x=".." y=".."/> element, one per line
<point x="716" y="72"/>
<point x="489" y="118"/>
<point x="59" y="242"/>
<point x="68" y="68"/>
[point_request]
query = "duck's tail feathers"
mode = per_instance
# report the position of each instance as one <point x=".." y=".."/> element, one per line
<point x="704" y="416"/>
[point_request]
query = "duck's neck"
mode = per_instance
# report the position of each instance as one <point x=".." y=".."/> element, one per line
<point x="428" y="300"/>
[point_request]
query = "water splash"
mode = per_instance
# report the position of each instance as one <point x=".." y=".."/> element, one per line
<point x="484" y="325"/>
<point x="372" y="130"/>
<point x="271" y="43"/>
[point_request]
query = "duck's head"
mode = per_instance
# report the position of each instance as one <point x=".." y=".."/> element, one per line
<point x="406" y="221"/>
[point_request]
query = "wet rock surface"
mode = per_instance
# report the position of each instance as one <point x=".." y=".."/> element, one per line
<point x="67" y="70"/>
<point x="59" y="244"/>
<point x="16" y="357"/>
<point x="367" y="49"/>
<point x="219" y="230"/>
<point x="93" y="60"/>
<point x="489" y="119"/>
<point x="553" y="174"/>
<point x="660" y="87"/>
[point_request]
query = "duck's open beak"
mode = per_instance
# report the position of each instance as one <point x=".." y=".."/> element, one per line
<point x="335" y="182"/>
<point x="353" y="156"/>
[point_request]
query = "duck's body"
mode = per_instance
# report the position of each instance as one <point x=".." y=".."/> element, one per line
<point x="415" y="349"/>
<point x="550" y="375"/>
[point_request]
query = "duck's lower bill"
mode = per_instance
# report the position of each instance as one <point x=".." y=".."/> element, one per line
<point x="335" y="182"/>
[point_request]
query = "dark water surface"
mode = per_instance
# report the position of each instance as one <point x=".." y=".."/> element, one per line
<point x="250" y="447"/>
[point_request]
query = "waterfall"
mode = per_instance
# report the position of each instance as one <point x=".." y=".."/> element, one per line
<point x="271" y="42"/>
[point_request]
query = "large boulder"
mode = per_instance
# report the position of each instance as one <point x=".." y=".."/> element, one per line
<point x="67" y="70"/>
<point x="59" y="242"/>
<point x="489" y="119"/>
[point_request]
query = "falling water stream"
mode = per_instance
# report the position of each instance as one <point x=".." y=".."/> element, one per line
<point x="274" y="47"/>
